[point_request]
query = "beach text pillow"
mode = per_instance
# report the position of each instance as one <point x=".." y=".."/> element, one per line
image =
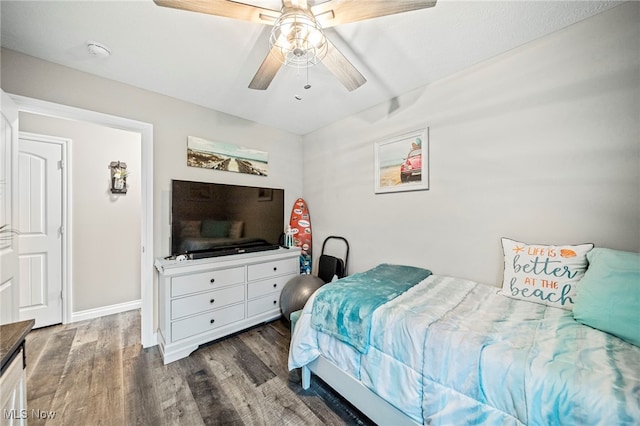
<point x="543" y="273"/>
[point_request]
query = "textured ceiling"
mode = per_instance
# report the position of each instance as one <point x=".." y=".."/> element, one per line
<point x="210" y="60"/>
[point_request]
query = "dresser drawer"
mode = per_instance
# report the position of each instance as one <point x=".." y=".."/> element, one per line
<point x="206" y="301"/>
<point x="260" y="271"/>
<point x="206" y="280"/>
<point x="271" y="285"/>
<point x="206" y="322"/>
<point x="264" y="304"/>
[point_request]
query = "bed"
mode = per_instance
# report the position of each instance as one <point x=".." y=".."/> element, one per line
<point x="448" y="351"/>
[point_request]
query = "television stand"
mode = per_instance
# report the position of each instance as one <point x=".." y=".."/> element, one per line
<point x="201" y="300"/>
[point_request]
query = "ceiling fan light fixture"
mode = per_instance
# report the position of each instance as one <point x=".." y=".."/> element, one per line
<point x="299" y="38"/>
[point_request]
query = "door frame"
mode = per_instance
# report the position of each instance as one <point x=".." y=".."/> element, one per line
<point x="67" y="248"/>
<point x="10" y="286"/>
<point x="148" y="334"/>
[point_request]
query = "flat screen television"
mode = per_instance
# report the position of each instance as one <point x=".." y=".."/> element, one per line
<point x="213" y="219"/>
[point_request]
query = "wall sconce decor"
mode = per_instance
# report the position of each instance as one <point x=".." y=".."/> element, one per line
<point x="118" y="177"/>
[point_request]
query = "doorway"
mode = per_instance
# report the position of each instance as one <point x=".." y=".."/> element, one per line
<point x="35" y="106"/>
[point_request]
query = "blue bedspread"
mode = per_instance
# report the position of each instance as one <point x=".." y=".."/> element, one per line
<point x="450" y="351"/>
<point x="349" y="318"/>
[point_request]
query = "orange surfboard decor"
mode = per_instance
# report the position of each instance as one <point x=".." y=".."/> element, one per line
<point x="300" y="223"/>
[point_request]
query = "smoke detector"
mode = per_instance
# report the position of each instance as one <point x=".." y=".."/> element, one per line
<point x="98" y="49"/>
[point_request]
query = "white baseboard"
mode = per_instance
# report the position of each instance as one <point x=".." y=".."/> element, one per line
<point x="105" y="310"/>
<point x="153" y="342"/>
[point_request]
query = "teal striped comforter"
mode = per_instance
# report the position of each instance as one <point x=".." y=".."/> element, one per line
<point x="452" y="351"/>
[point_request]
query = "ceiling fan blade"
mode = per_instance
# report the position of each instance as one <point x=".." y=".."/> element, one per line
<point x="342" y="69"/>
<point x="226" y="8"/>
<point x="337" y="12"/>
<point x="268" y="70"/>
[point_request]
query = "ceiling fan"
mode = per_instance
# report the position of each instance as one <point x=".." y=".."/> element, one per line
<point x="297" y="38"/>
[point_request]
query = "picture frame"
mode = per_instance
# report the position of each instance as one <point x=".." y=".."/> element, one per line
<point x="226" y="157"/>
<point x="402" y="162"/>
<point x="119" y="175"/>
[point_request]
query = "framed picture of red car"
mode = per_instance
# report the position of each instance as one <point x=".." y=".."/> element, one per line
<point x="402" y="162"/>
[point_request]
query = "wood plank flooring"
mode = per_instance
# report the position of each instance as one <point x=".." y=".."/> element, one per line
<point x="96" y="373"/>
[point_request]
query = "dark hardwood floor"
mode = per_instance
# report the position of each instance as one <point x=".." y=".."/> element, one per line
<point x="96" y="373"/>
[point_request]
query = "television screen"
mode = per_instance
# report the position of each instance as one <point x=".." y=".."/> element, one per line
<point x="218" y="219"/>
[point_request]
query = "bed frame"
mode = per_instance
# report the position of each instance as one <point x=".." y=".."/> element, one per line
<point x="360" y="396"/>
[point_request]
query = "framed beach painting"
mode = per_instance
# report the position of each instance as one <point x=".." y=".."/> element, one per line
<point x="402" y="162"/>
<point x="226" y="157"/>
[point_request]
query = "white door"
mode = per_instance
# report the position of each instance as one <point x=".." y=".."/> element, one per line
<point x="40" y="231"/>
<point x="9" y="295"/>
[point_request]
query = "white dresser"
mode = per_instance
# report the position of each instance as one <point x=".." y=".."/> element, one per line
<point x="206" y="299"/>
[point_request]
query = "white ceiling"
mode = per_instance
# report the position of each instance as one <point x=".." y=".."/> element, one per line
<point x="209" y="60"/>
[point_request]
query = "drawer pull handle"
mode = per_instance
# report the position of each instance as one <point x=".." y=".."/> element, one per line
<point x="213" y="280"/>
<point x="275" y="268"/>
<point x="275" y="285"/>
<point x="212" y="301"/>
<point x="275" y="302"/>
<point x="212" y="321"/>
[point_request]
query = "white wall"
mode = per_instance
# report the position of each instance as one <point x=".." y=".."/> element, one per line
<point x="541" y="144"/>
<point x="106" y="229"/>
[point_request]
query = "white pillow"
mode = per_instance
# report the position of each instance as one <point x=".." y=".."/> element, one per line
<point x="543" y="274"/>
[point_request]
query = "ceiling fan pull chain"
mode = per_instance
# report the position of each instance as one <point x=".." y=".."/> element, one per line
<point x="307" y="86"/>
<point x="298" y="97"/>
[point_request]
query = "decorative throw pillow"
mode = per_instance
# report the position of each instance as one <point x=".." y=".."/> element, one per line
<point x="543" y="273"/>
<point x="190" y="228"/>
<point x="235" y="231"/>
<point x="608" y="296"/>
<point x="215" y="228"/>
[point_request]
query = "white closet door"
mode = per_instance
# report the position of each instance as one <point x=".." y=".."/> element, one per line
<point x="40" y="236"/>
